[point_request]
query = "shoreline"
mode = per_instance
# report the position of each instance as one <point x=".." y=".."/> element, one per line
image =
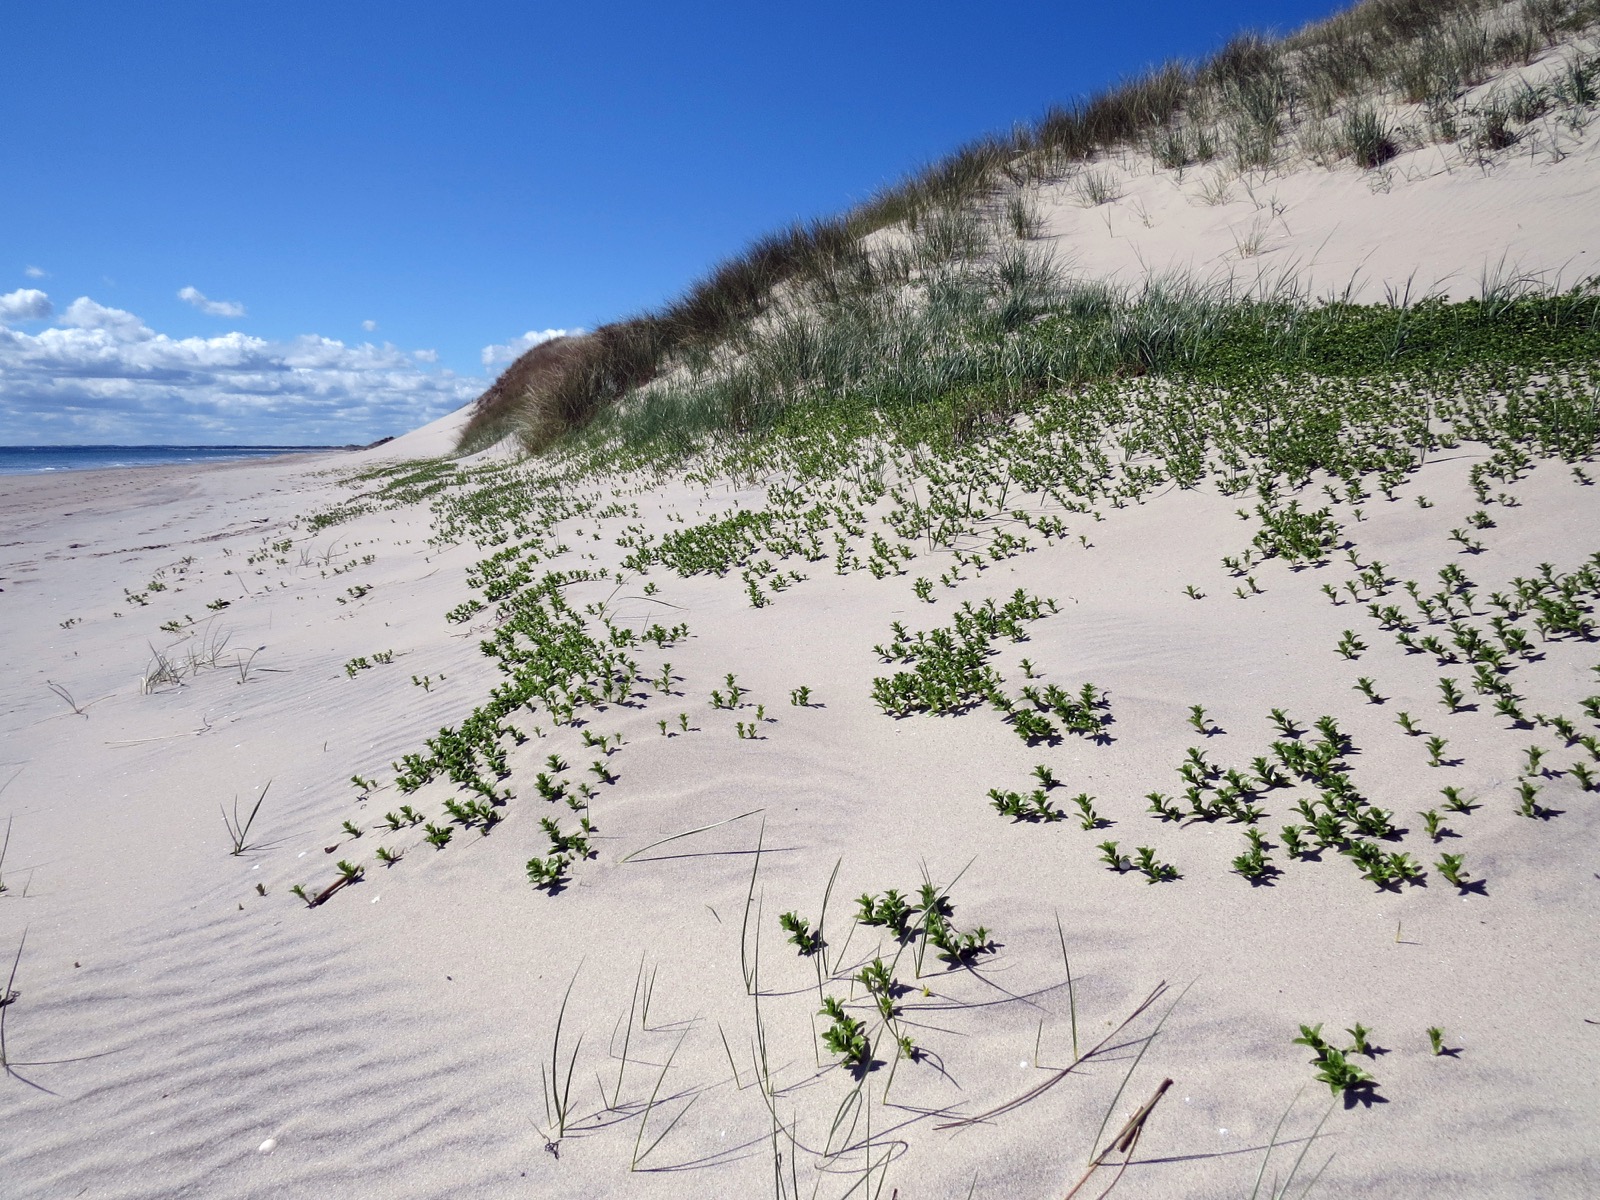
<point x="257" y="454"/>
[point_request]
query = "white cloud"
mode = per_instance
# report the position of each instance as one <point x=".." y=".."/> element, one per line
<point x="25" y="304"/>
<point x="212" y="308"/>
<point x="517" y="346"/>
<point x="34" y="272"/>
<point x="100" y="374"/>
<point x="369" y="326"/>
<point x="84" y="313"/>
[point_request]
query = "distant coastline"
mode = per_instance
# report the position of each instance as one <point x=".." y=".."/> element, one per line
<point x="40" y="460"/>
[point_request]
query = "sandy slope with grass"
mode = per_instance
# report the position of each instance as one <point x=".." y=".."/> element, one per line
<point x="1435" y="219"/>
<point x="182" y="642"/>
<point x="177" y="1032"/>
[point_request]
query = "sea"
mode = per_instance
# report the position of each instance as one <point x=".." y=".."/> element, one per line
<point x="37" y="460"/>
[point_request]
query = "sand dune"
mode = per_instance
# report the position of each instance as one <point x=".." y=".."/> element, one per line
<point x="183" y="1025"/>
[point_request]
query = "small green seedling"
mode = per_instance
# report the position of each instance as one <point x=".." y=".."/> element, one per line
<point x="1350" y="646"/>
<point x="800" y="933"/>
<point x="1527" y="800"/>
<point x="845" y="1036"/>
<point x="437" y="836"/>
<point x="1339" y="1074"/>
<point x="1436" y="747"/>
<point x="878" y="979"/>
<point x="299" y="890"/>
<point x="1163" y="808"/>
<point x="1293" y="845"/>
<point x="1436" y="1040"/>
<point x="1510" y="707"/>
<point x="1197" y="719"/>
<point x="1194" y="593"/>
<point x="388" y="857"/>
<point x="1253" y="864"/>
<point x="1450" y="694"/>
<point x="1359" y="1035"/>
<point x="1035" y="806"/>
<point x="683" y="722"/>
<point x="1406" y="723"/>
<point x="1449" y="866"/>
<point x="1535" y="756"/>
<point x="1332" y="1067"/>
<point x="1089" y="818"/>
<point x="800" y="697"/>
<point x="1366" y="687"/>
<point x="1113" y="859"/>
<point x="1431" y="822"/>
<point x="1311" y="1037"/>
<point x="1283" y="724"/>
<point x="1046" y="779"/>
<point x="546" y="872"/>
<point x="891" y="910"/>
<point x="1454" y="801"/>
<point x="1268" y="775"/>
<point x="349" y="872"/>
<point x="1154" y="871"/>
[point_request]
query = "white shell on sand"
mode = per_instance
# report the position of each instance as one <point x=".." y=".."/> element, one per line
<point x="268" y="1146"/>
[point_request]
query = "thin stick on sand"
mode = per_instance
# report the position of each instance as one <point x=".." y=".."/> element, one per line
<point x="1125" y="1141"/>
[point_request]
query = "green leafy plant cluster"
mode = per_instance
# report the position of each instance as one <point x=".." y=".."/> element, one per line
<point x="927" y="922"/>
<point x="950" y="670"/>
<point x="1333" y="1065"/>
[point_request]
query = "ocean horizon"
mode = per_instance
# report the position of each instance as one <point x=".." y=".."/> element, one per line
<point x="40" y="460"/>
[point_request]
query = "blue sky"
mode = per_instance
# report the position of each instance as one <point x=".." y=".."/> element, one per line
<point x="299" y="223"/>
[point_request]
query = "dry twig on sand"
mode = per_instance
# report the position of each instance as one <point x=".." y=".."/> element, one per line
<point x="1123" y="1143"/>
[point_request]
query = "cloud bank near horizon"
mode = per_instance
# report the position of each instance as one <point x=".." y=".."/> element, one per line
<point x="101" y="375"/>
